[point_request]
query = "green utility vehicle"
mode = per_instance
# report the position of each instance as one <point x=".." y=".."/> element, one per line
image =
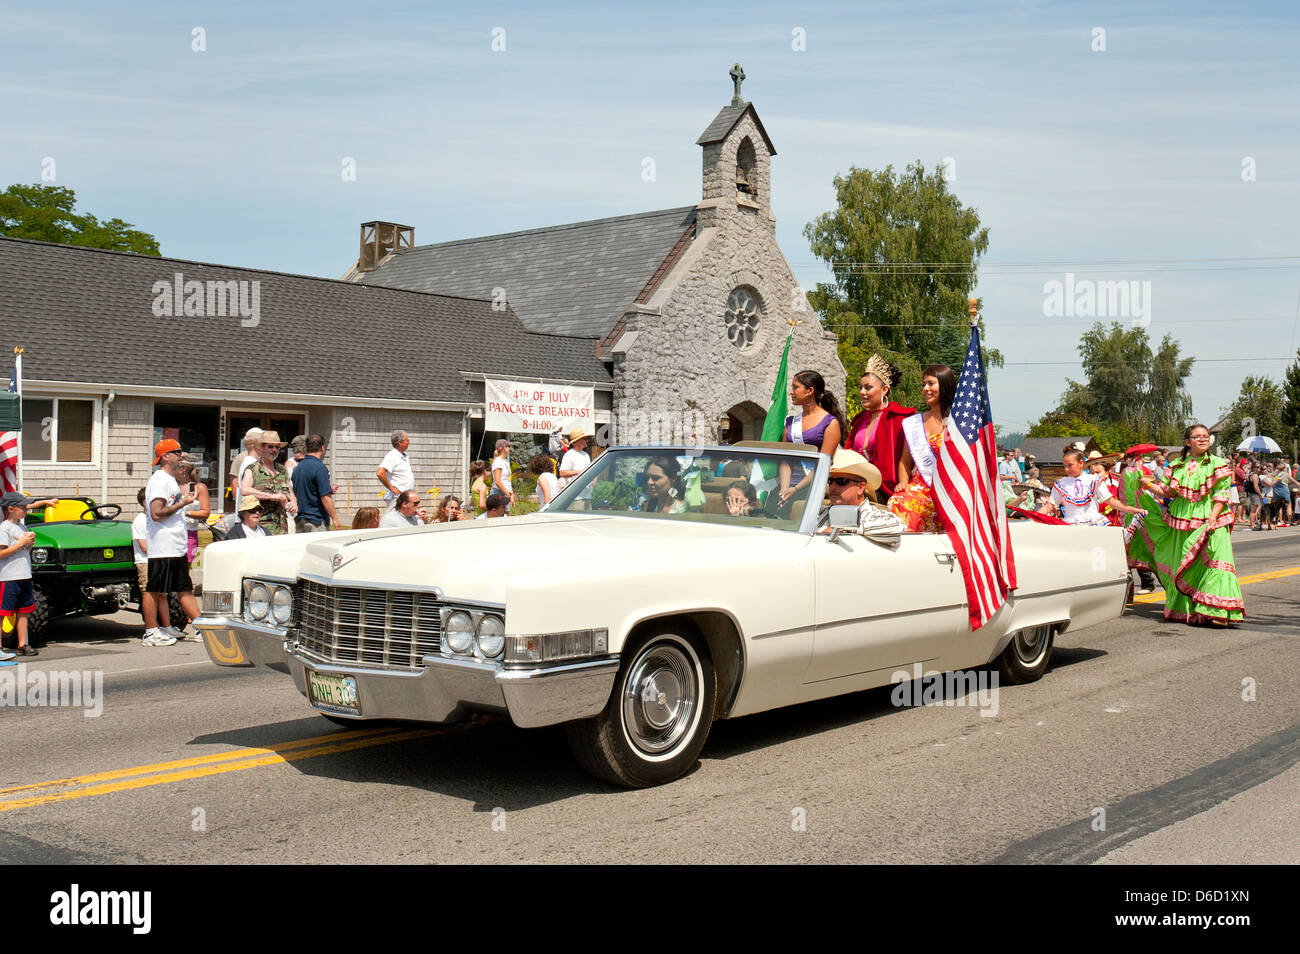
<point x="82" y="562"/>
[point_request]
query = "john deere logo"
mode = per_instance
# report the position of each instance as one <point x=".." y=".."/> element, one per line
<point x="108" y="554"/>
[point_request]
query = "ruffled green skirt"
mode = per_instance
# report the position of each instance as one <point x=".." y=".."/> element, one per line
<point x="1192" y="558"/>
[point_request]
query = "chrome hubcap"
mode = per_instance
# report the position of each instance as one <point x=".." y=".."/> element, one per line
<point x="660" y="697"/>
<point x="1031" y="642"/>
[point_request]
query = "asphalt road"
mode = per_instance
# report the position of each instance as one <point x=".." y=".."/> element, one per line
<point x="1145" y="721"/>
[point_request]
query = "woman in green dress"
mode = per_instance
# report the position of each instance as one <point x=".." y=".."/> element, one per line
<point x="1192" y="543"/>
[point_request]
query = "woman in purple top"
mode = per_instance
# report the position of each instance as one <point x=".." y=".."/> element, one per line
<point x="818" y="422"/>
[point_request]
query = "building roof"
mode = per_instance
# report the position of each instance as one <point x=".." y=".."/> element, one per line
<point x="1049" y="449"/>
<point x="725" y="122"/>
<point x="87" y="315"/>
<point x="574" y="279"/>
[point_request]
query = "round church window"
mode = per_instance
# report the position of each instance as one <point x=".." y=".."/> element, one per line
<point x="742" y="317"/>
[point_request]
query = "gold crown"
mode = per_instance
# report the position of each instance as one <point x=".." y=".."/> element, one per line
<point x="878" y="366"/>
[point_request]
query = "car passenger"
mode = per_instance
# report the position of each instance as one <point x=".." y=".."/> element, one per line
<point x="663" y="487"/>
<point x="741" y="500"/>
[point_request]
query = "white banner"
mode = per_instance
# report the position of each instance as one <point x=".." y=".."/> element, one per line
<point x="521" y="406"/>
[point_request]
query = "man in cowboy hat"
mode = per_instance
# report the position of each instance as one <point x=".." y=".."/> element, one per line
<point x="575" y="459"/>
<point x="852" y="483"/>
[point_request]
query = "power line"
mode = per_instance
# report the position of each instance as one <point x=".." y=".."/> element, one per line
<point x="1101" y="261"/>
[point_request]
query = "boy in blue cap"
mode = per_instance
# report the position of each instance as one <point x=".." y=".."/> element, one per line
<point x="17" y="598"/>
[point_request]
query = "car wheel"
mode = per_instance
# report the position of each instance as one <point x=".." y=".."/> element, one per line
<point x="1026" y="657"/>
<point x="658" y="716"/>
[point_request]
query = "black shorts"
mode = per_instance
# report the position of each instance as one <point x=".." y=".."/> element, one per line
<point x="169" y="575"/>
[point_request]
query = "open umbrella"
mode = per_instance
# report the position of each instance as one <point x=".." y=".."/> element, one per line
<point x="1259" y="444"/>
<point x="1142" y="449"/>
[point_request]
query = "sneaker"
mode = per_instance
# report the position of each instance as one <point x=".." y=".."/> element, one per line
<point x="6" y="655"/>
<point x="194" y="637"/>
<point x="156" y="637"/>
<point x="171" y="631"/>
<point x="1143" y="591"/>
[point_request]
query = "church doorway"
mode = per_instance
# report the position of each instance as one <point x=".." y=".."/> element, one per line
<point x="742" y="422"/>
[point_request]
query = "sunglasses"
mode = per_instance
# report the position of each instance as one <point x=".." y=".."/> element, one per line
<point x="843" y="481"/>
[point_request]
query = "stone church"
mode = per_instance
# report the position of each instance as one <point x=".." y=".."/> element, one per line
<point x="688" y="309"/>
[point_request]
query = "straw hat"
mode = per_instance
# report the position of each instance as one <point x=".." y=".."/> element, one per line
<point x="271" y="437"/>
<point x="577" y="434"/>
<point x="852" y="464"/>
<point x="249" y="502"/>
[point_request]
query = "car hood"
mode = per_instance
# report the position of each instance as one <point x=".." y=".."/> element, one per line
<point x="79" y="534"/>
<point x="477" y="559"/>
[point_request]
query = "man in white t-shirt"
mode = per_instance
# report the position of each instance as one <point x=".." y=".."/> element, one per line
<point x="166" y="540"/>
<point x="395" y="469"/>
<point x="501" y="482"/>
<point x="575" y="459"/>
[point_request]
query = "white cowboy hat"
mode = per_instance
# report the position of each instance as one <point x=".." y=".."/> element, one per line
<point x="852" y="464"/>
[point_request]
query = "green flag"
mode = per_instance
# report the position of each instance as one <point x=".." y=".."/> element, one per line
<point x="774" y="424"/>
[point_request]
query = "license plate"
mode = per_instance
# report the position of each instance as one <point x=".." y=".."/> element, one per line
<point x="333" y="693"/>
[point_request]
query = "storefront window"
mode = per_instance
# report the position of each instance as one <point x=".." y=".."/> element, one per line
<point x="58" y="431"/>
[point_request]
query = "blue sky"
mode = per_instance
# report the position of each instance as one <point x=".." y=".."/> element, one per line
<point x="1073" y="156"/>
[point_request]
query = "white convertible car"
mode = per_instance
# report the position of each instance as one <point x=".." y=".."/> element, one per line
<point x="642" y="606"/>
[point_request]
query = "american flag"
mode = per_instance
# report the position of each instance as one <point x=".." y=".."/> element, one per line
<point x="9" y="449"/>
<point x="967" y="496"/>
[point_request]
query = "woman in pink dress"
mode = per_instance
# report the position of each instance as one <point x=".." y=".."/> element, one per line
<point x="924" y="435"/>
<point x="877" y="431"/>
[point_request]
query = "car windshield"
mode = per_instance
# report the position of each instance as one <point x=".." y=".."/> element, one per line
<point x="734" y="486"/>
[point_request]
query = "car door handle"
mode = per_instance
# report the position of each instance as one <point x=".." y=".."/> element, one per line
<point x="947" y="558"/>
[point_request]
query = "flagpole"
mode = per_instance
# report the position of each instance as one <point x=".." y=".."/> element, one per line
<point x="18" y="386"/>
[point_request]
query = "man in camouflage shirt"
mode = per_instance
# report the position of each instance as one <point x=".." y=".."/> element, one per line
<point x="269" y="482"/>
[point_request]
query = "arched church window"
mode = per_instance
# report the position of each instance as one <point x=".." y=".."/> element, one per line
<point x="745" y="165"/>
<point x="742" y="317"/>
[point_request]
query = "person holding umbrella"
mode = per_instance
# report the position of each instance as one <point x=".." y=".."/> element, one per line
<point x="1192" y="545"/>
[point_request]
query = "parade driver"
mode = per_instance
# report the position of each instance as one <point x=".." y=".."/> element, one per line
<point x="852" y="483"/>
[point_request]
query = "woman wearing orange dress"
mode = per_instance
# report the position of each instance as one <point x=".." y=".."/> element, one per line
<point x="924" y="434"/>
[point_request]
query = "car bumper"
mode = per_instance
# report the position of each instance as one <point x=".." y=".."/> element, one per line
<point x="443" y="690"/>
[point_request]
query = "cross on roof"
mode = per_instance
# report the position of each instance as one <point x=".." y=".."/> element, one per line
<point x="737" y="77"/>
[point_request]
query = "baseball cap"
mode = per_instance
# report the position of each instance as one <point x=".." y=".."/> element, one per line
<point x="13" y="499"/>
<point x="164" y="446"/>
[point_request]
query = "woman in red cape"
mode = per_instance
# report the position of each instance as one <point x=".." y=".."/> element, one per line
<point x="877" y="431"/>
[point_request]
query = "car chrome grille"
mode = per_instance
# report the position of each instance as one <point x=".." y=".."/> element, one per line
<point x="349" y="624"/>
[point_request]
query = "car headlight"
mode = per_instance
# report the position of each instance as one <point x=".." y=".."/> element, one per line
<point x="259" y="601"/>
<point x="41" y="555"/>
<point x="282" y="604"/>
<point x="459" y="632"/>
<point x="491" y="636"/>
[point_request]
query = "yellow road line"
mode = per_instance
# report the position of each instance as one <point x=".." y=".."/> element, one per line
<point x="1243" y="580"/>
<point x="204" y="766"/>
<point x="187" y="763"/>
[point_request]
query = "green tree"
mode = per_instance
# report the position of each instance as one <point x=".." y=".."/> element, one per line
<point x="904" y="253"/>
<point x="48" y="214"/>
<point x="1257" y="410"/>
<point x="1128" y="388"/>
<point x="1291" y="405"/>
<point x="1111" y="438"/>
